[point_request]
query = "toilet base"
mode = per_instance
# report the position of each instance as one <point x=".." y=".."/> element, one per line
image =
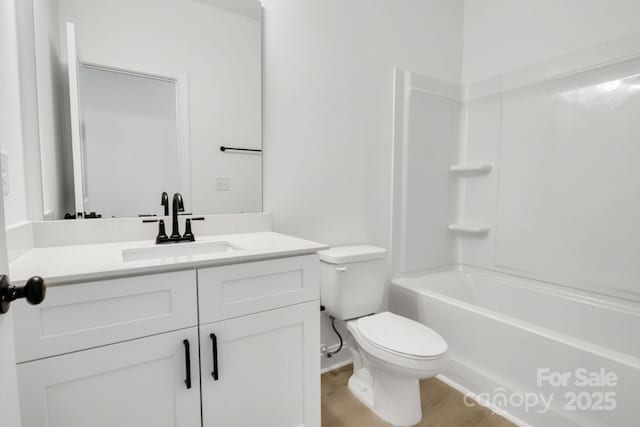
<point x="392" y="396"/>
<point x="362" y="390"/>
<point x="394" y="399"/>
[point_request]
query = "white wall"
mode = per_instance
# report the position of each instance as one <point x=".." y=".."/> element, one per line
<point x="50" y="75"/>
<point x="561" y="201"/>
<point x="329" y="108"/>
<point x="194" y="38"/>
<point x="29" y="107"/>
<point x="501" y="35"/>
<point x="11" y="132"/>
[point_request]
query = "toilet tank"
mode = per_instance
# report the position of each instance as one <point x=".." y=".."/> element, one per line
<point x="352" y="280"/>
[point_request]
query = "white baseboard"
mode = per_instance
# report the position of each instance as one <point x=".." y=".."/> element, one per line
<point x="337" y="365"/>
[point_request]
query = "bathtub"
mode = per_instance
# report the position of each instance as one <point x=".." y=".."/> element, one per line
<point x="538" y="354"/>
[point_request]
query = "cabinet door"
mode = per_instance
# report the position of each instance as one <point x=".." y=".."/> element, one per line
<point x="268" y="369"/>
<point x="137" y="383"/>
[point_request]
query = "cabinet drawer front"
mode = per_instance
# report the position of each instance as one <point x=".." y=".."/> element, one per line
<point x="85" y="315"/>
<point x="240" y="289"/>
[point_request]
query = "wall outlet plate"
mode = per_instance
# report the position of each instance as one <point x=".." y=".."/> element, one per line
<point x="222" y="183"/>
<point x="4" y="165"/>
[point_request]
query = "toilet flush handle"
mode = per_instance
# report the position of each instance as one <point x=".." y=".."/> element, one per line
<point x="341" y="268"/>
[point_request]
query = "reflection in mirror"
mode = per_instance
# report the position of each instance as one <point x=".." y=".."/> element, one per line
<point x="137" y="97"/>
<point x="128" y="118"/>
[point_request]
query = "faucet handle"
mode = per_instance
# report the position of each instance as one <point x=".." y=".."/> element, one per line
<point x="188" y="234"/>
<point x="162" y="233"/>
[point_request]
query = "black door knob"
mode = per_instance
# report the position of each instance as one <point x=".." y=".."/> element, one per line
<point x="33" y="291"/>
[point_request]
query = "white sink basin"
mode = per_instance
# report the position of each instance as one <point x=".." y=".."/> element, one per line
<point x="177" y="250"/>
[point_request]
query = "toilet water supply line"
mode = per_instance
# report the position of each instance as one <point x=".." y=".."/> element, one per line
<point x="330" y="354"/>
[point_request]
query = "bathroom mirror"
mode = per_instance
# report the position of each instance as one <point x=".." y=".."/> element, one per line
<point x="141" y="97"/>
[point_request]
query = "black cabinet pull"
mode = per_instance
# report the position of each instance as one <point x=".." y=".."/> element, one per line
<point x="187" y="358"/>
<point x="214" y="345"/>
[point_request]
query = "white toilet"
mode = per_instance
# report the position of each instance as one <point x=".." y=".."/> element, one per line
<point x="390" y="353"/>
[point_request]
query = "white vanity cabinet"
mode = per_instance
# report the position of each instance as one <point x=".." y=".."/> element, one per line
<point x="259" y="338"/>
<point x="119" y="352"/>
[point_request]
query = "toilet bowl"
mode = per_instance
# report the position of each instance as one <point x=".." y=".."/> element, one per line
<point x="391" y="353"/>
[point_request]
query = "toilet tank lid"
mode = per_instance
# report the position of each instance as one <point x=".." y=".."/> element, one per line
<point x="354" y="253"/>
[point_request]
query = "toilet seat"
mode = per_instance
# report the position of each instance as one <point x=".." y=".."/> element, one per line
<point x="401" y="337"/>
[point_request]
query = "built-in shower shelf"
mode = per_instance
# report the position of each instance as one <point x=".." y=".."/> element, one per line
<point x="478" y="169"/>
<point x="470" y="228"/>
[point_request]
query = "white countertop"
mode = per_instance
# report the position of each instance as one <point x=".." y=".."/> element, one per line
<point x="61" y="265"/>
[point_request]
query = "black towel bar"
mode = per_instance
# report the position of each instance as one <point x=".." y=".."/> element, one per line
<point x="223" y="148"/>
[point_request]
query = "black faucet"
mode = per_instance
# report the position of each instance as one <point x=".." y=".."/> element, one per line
<point x="165" y="203"/>
<point x="178" y="206"/>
